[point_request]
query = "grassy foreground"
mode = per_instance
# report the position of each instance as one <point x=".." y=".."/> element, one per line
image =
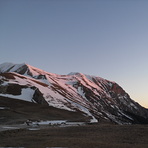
<point x="88" y="136"/>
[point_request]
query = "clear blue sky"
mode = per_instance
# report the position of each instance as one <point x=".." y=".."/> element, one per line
<point x="106" y="38"/>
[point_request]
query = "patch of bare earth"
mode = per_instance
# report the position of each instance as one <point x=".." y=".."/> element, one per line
<point x="88" y="136"/>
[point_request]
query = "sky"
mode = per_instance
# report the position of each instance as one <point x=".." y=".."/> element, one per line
<point x="105" y="38"/>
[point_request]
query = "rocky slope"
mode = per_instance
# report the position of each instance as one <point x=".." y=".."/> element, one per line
<point x="97" y="97"/>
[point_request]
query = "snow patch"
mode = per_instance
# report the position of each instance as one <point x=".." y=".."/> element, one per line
<point x="52" y="122"/>
<point x="2" y="108"/>
<point x="85" y="110"/>
<point x="81" y="92"/>
<point x="26" y="95"/>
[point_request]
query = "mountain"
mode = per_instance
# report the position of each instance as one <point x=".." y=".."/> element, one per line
<point x="99" y="98"/>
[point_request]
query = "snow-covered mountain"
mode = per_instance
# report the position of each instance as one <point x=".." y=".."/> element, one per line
<point x="97" y="97"/>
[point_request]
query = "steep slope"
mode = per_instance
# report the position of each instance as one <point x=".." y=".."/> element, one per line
<point x="99" y="98"/>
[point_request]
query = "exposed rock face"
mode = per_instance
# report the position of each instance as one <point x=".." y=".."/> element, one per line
<point x="13" y="89"/>
<point x="95" y="96"/>
<point x="38" y="97"/>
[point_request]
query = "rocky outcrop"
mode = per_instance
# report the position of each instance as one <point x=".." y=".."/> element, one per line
<point x="38" y="97"/>
<point x="13" y="89"/>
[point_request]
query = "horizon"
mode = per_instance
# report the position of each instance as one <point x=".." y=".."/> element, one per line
<point x="103" y="38"/>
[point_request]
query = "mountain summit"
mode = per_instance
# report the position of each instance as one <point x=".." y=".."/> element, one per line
<point x="98" y="98"/>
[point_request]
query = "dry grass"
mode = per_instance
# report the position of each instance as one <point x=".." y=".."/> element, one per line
<point x="89" y="136"/>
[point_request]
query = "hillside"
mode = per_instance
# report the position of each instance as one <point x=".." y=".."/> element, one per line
<point x="99" y="98"/>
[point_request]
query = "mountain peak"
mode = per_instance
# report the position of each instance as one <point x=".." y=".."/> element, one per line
<point x="95" y="96"/>
<point x="73" y="73"/>
<point x="10" y="67"/>
<point x="23" y="68"/>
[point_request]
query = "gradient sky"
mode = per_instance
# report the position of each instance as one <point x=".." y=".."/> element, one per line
<point x="106" y="38"/>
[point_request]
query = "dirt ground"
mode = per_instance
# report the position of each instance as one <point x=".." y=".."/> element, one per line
<point x="86" y="136"/>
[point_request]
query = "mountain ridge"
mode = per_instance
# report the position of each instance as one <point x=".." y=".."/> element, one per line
<point x="95" y="96"/>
